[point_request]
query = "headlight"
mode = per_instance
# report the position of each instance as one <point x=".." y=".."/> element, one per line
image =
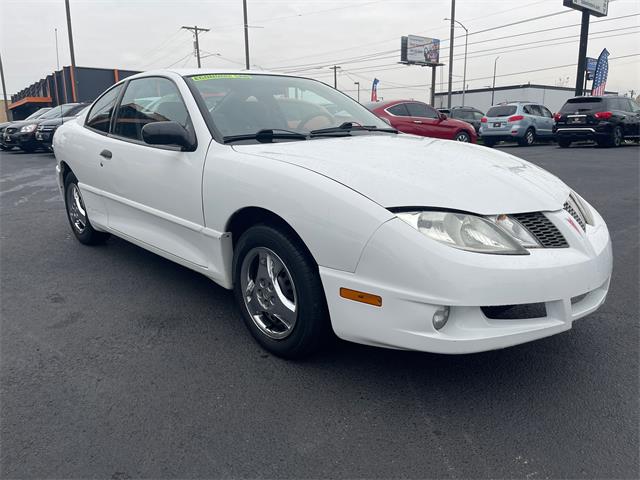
<point x="464" y="231"/>
<point x="29" y="128"/>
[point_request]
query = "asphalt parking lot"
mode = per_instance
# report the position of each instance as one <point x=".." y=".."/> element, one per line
<point x="116" y="363"/>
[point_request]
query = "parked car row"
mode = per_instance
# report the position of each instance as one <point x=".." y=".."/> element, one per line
<point x="36" y="131"/>
<point x="607" y="120"/>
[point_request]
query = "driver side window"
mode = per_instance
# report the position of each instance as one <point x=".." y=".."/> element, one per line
<point x="148" y="100"/>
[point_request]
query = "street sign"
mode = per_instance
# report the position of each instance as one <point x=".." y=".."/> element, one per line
<point x="591" y="67"/>
<point x="597" y="8"/>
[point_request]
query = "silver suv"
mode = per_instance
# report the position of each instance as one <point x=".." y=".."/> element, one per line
<point x="521" y="122"/>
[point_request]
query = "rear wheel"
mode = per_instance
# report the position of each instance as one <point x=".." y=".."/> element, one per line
<point x="278" y="289"/>
<point x="77" y="214"/>
<point x="528" y="139"/>
<point x="564" y="143"/>
<point x="463" y="137"/>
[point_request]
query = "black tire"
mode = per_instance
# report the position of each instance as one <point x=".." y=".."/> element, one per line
<point x="564" y="143"/>
<point x="4" y="148"/>
<point x="617" y="137"/>
<point x="312" y="326"/>
<point x="86" y="235"/>
<point x="463" y="136"/>
<point x="28" y="148"/>
<point x="528" y="139"/>
<point x="488" y="142"/>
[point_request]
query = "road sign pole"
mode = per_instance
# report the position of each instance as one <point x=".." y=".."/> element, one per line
<point x="582" y="54"/>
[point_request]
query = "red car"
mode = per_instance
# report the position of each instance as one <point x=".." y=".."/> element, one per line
<point x="418" y="118"/>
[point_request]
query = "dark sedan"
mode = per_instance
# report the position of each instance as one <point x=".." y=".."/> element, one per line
<point x="22" y="134"/>
<point x="4" y="125"/>
<point x="46" y="129"/>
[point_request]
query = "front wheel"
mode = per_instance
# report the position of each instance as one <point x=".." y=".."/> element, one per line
<point x="463" y="137"/>
<point x="278" y="289"/>
<point x="77" y="214"/>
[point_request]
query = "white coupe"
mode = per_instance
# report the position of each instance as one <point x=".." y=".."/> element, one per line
<point x="324" y="219"/>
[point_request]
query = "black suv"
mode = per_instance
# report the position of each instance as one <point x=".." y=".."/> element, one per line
<point x="607" y="120"/>
<point x="466" y="114"/>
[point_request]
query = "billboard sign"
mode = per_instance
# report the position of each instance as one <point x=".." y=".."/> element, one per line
<point x="598" y="8"/>
<point x="591" y="67"/>
<point x="420" y="50"/>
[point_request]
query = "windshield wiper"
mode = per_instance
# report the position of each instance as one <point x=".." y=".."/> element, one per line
<point x="266" y="135"/>
<point x="347" y="127"/>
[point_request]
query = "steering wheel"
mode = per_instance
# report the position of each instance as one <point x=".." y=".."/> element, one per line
<point x="310" y="117"/>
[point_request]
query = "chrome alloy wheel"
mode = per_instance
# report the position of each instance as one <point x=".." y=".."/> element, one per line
<point x="75" y="206"/>
<point x="269" y="293"/>
<point x="529" y="137"/>
<point x="463" y="137"/>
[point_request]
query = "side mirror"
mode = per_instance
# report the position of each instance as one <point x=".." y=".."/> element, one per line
<point x="442" y="116"/>
<point x="168" y="133"/>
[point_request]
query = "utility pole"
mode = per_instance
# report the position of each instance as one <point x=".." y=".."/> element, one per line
<point x="4" y="90"/>
<point x="57" y="55"/>
<point x="493" y="88"/>
<point x="246" y="35"/>
<point x="451" y="29"/>
<point x="195" y="29"/>
<point x="582" y="54"/>
<point x="358" y="84"/>
<point x="55" y="75"/>
<point x="74" y="78"/>
<point x="335" y="76"/>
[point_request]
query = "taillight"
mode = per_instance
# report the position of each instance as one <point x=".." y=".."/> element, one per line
<point x="557" y="116"/>
<point x="515" y="118"/>
<point x="484" y="119"/>
<point x="603" y="115"/>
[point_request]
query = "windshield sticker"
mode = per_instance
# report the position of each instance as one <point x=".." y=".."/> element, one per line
<point x="219" y="76"/>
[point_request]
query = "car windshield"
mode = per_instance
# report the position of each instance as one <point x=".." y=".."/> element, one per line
<point x="243" y="104"/>
<point x="581" y="105"/>
<point x="502" y="111"/>
<point x="59" y="111"/>
<point x="38" y="113"/>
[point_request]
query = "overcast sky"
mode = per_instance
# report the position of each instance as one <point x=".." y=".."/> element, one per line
<point x="310" y="35"/>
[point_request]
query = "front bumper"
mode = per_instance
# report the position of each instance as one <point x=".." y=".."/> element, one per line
<point x="415" y="276"/>
<point x="44" y="138"/>
<point x="19" y="139"/>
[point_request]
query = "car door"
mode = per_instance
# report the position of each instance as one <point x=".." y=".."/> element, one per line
<point x="634" y="117"/>
<point x="155" y="192"/>
<point x="92" y="180"/>
<point x="545" y="120"/>
<point x="399" y="117"/>
<point x="427" y="121"/>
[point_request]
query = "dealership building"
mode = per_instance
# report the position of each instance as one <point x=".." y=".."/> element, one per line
<point x="481" y="98"/>
<point x="67" y="85"/>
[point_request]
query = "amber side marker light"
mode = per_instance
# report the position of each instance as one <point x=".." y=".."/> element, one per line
<point x="362" y="297"/>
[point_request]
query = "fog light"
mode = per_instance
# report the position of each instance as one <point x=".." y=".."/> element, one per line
<point x="440" y="317"/>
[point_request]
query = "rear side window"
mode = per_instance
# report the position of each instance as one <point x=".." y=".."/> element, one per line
<point x="421" y="110"/>
<point x="148" y="100"/>
<point x="399" y="110"/>
<point x="545" y="111"/>
<point x="620" y="104"/>
<point x="502" y="111"/>
<point x="582" y="104"/>
<point x="100" y="115"/>
<point x="462" y="114"/>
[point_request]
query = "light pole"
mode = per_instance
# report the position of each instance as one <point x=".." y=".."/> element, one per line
<point x="453" y="17"/>
<point x="493" y="87"/>
<point x="246" y="34"/>
<point x="74" y="80"/>
<point x="358" y="84"/>
<point x="464" y="74"/>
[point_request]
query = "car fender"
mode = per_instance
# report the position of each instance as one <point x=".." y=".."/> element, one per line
<point x="334" y="221"/>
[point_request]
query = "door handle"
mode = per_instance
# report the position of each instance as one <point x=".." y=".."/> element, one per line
<point x="106" y="154"/>
<point x="417" y="121"/>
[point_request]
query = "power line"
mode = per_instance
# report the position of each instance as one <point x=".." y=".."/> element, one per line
<point x="394" y="52"/>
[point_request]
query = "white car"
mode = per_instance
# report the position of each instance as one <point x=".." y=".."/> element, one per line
<point x="322" y="225"/>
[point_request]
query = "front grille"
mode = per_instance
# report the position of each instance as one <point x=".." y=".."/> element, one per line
<point x="10" y="130"/>
<point x="576" y="215"/>
<point x="46" y="128"/>
<point x="542" y="229"/>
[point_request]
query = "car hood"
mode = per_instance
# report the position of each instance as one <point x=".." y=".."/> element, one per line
<point x="409" y="171"/>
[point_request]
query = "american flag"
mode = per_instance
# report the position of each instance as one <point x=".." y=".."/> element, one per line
<point x="374" y="90"/>
<point x="600" y="77"/>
